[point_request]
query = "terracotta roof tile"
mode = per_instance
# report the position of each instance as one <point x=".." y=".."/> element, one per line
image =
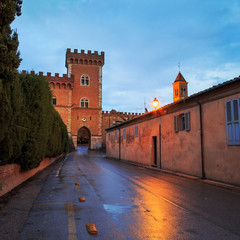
<point x="180" y="78"/>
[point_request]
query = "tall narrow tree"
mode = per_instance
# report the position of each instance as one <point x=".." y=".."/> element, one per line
<point x="9" y="54"/>
<point x="9" y="60"/>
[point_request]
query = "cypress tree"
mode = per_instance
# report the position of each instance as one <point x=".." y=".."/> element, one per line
<point x="9" y="54"/>
<point x="9" y="60"/>
<point x="30" y="128"/>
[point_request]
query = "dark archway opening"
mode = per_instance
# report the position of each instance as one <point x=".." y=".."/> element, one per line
<point x="83" y="137"/>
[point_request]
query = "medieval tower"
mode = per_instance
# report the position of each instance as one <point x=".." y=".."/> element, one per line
<point x="180" y="90"/>
<point x="77" y="96"/>
<point x="86" y="104"/>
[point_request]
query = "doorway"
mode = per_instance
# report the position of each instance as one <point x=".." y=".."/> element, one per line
<point x="154" y="151"/>
<point x="83" y="137"/>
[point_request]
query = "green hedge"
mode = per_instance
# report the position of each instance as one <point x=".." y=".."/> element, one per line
<point x="30" y="128"/>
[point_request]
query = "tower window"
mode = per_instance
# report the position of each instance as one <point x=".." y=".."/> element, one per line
<point x="136" y="131"/>
<point x="85" y="80"/>
<point x="183" y="92"/>
<point x="54" y="101"/>
<point x="84" y="103"/>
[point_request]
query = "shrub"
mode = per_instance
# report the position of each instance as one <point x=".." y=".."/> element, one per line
<point x="34" y="129"/>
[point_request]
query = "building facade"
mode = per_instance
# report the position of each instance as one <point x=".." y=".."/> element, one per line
<point x="197" y="135"/>
<point x="77" y="96"/>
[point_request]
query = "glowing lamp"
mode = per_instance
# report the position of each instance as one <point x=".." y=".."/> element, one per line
<point x="155" y="103"/>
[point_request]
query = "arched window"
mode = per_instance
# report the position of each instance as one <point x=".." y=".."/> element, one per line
<point x="176" y="92"/>
<point x="184" y="92"/>
<point x="85" y="80"/>
<point x="54" y="100"/>
<point x="84" y="103"/>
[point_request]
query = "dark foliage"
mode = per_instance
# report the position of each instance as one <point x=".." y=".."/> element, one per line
<point x="30" y="128"/>
<point x="9" y="54"/>
<point x="34" y="129"/>
<point x="9" y="59"/>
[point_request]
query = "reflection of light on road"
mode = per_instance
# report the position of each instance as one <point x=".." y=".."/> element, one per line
<point x="116" y="209"/>
<point x="155" y="218"/>
<point x="82" y="149"/>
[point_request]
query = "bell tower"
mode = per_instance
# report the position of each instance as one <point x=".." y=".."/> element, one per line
<point x="180" y="89"/>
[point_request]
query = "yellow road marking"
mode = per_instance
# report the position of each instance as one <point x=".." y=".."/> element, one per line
<point x="72" y="232"/>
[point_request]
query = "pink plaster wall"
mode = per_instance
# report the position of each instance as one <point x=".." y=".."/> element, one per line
<point x="136" y="149"/>
<point x="112" y="147"/>
<point x="181" y="151"/>
<point x="139" y="149"/>
<point x="222" y="162"/>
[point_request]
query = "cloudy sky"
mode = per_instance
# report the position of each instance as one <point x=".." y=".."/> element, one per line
<point x="143" y="43"/>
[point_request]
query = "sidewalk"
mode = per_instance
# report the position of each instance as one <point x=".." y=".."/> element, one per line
<point x="207" y="181"/>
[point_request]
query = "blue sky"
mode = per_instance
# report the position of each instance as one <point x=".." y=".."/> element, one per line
<point x="143" y="43"/>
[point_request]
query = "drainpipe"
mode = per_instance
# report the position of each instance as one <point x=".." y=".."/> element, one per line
<point x="201" y="137"/>
<point x="160" y="146"/>
<point x="119" y="144"/>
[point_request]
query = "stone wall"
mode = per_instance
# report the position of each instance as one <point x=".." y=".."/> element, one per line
<point x="11" y="175"/>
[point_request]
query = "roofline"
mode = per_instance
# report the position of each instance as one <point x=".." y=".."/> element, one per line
<point x="160" y="111"/>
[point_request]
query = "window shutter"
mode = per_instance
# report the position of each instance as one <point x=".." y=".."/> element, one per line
<point x="187" y="121"/>
<point x="229" y="123"/>
<point x="236" y="109"/>
<point x="236" y="119"/>
<point x="237" y="132"/>
<point x="228" y="111"/>
<point x="176" y="123"/>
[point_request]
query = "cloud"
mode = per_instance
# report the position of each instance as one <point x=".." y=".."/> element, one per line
<point x="200" y="80"/>
<point x="143" y="43"/>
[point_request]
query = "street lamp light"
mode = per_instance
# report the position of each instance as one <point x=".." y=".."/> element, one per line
<point x="155" y="103"/>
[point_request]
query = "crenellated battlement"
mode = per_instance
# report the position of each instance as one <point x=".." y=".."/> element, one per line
<point x="112" y="118"/>
<point x="113" y="113"/>
<point x="82" y="52"/>
<point x="89" y="58"/>
<point x="55" y="79"/>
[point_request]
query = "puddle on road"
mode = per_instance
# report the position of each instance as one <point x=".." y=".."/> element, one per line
<point x="117" y="209"/>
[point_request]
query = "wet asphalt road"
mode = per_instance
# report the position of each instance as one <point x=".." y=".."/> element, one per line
<point x="127" y="202"/>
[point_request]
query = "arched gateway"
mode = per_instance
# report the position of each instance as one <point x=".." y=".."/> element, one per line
<point x="77" y="96"/>
<point x="84" y="136"/>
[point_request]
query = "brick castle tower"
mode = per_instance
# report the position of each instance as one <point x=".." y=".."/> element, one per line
<point x="86" y="104"/>
<point x="77" y="96"/>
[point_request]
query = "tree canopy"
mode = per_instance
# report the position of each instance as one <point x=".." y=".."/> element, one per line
<point x="30" y="128"/>
<point x="9" y="54"/>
